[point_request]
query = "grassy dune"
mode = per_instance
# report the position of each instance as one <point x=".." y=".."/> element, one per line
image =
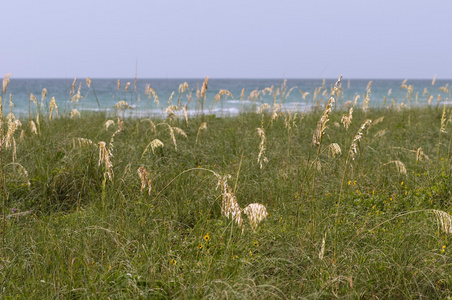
<point x="337" y="226"/>
<point x="156" y="208"/>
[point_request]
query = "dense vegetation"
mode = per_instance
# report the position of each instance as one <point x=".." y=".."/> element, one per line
<point x="368" y="221"/>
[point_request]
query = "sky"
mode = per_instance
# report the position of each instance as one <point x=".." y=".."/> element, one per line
<point x="226" y="39"/>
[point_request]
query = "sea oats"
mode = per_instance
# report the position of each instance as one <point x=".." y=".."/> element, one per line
<point x="354" y="147"/>
<point x="170" y="98"/>
<point x="75" y="98"/>
<point x="109" y="123"/>
<point x="256" y="213"/>
<point x="444" y="220"/>
<point x="389" y="92"/>
<point x="11" y="104"/>
<point x="33" y="128"/>
<point x="88" y="82"/>
<point x="380" y="133"/>
<point x="156" y="143"/>
<point x="443" y="121"/>
<point x="254" y="95"/>
<point x="52" y="106"/>
<point x="334" y="149"/>
<point x="170" y="110"/>
<point x="183" y="87"/>
<point x="425" y="92"/>
<point x="6" y="81"/>
<point x="153" y="128"/>
<point x="180" y="132"/>
<point x="261" y="159"/>
<point x="434" y="80"/>
<point x="184" y="109"/>
<point x="204" y="87"/>
<point x="198" y="92"/>
<point x="420" y="155"/>
<point x="112" y="139"/>
<point x="379" y="120"/>
<point x="145" y="179"/>
<point x="13" y="125"/>
<point x="399" y="165"/>
<point x="404" y="86"/>
<point x="322" y="248"/>
<point x="201" y="128"/>
<point x="173" y="137"/>
<point x="229" y="206"/>
<point x="346" y="120"/>
<point x="104" y="158"/>
<point x="119" y="85"/>
<point x="366" y="101"/>
<point x="22" y="135"/>
<point x="263" y="108"/>
<point x="267" y="90"/>
<point x="322" y="123"/>
<point x="72" y="92"/>
<point x="122" y="105"/>
<point x="242" y="94"/>
<point x="75" y="113"/>
<point x="429" y="101"/>
<point x="355" y="101"/>
<point x="43" y="96"/>
<point x="304" y="94"/>
<point x="127" y="86"/>
<point x="34" y="100"/>
<point x="82" y="142"/>
<point x="222" y="93"/>
<point x="24" y="173"/>
<point x="275" y="109"/>
<point x="445" y="88"/>
<point x="153" y="94"/>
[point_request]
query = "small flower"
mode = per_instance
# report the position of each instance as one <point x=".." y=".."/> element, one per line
<point x="15" y="210"/>
<point x="401" y="183"/>
<point x="206" y="237"/>
<point x="349" y="182"/>
<point x="200" y="246"/>
<point x="173" y="262"/>
<point x="255" y="243"/>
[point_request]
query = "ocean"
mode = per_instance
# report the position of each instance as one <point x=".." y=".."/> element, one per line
<point x="104" y="94"/>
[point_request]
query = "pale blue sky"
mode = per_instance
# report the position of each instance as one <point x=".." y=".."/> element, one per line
<point x="226" y="39"/>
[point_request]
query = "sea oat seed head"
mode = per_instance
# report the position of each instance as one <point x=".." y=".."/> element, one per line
<point x="255" y="212"/>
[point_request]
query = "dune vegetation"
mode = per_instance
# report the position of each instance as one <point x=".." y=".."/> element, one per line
<point x="339" y="202"/>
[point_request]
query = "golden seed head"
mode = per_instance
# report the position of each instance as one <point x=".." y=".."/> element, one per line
<point x="256" y="213"/>
<point x="52" y="106"/>
<point x="6" y="81"/>
<point x="204" y="87"/>
<point x="109" y="123"/>
<point x="145" y="179"/>
<point x="122" y="105"/>
<point x="75" y="113"/>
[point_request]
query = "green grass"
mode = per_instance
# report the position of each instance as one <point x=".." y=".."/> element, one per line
<point x="83" y="240"/>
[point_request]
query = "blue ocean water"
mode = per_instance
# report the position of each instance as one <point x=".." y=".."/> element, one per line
<point x="104" y="94"/>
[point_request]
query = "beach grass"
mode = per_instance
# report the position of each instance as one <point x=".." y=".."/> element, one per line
<point x="348" y="224"/>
